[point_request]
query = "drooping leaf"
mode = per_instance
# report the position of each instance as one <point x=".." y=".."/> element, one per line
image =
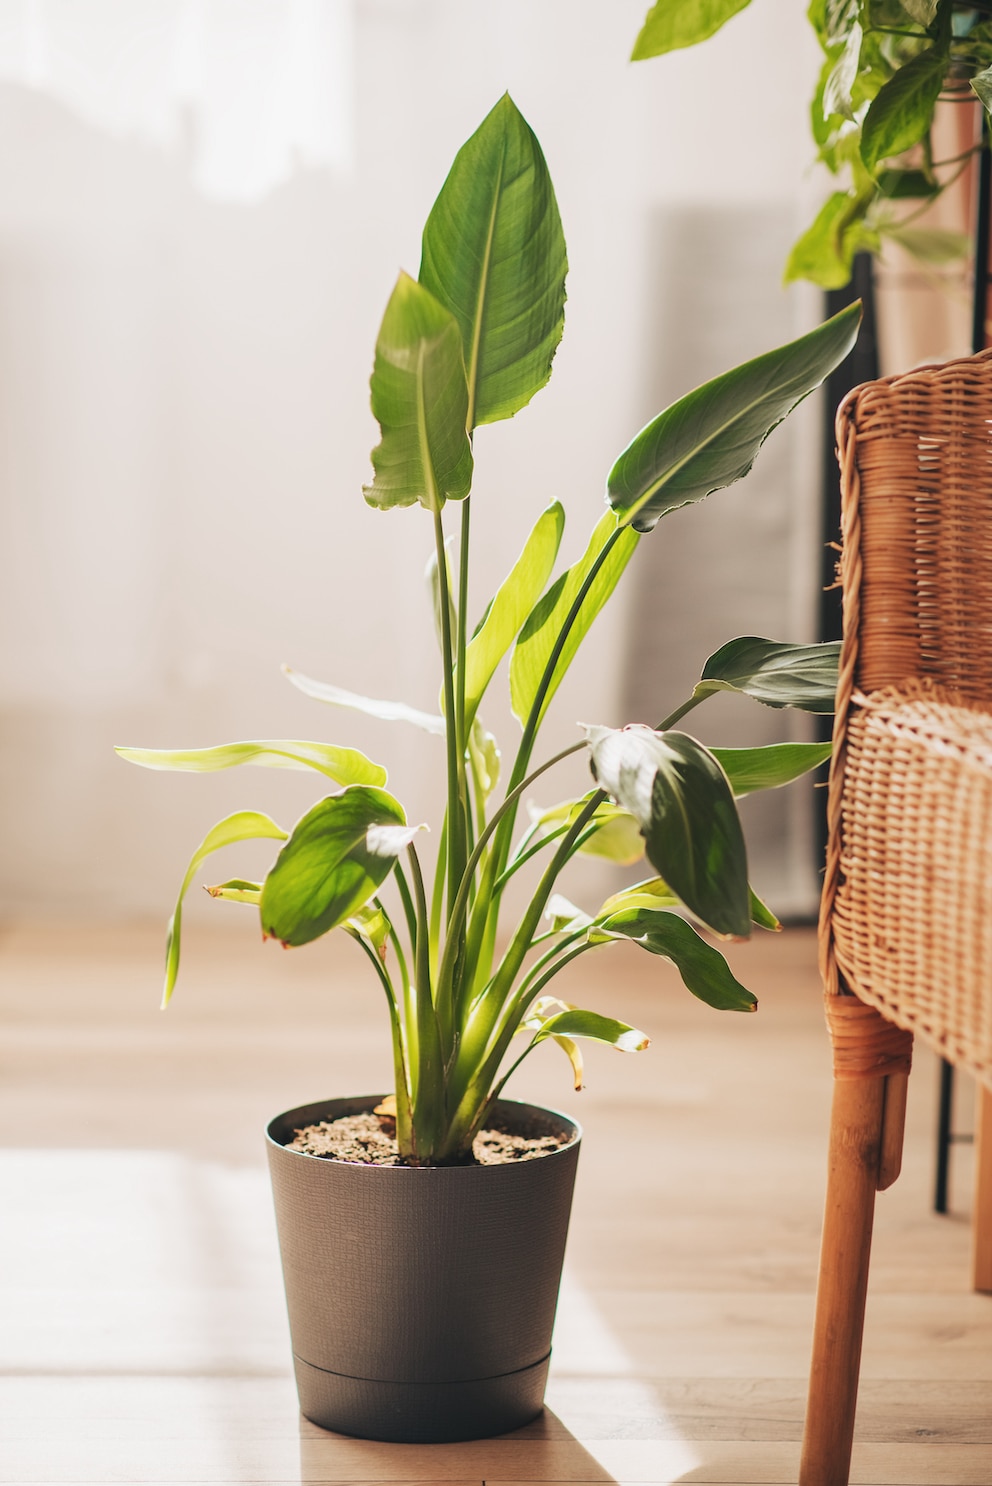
<point x="336" y="696"/>
<point x="494" y="256"/>
<point x="333" y="862"/>
<point x="680" y="798"/>
<point x="343" y="765"/>
<point x="540" y="633"/>
<point x="513" y="601"/>
<point x="617" y="837"/>
<point x="575" y="1023"/>
<point x="544" y="1008"/>
<point x="775" y="764"/>
<point x="237" y="891"/>
<point x="420" y="400"/>
<point x="703" y="969"/>
<point x="710" y="438"/>
<point x="779" y="675"/>
<point x="671" y="24"/>
<point x="901" y="112"/>
<point x="243" y="825"/>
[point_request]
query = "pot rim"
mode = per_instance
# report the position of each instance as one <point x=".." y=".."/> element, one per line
<point x="362" y="1101"/>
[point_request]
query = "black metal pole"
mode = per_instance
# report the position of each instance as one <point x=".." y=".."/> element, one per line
<point x="945" y="1105"/>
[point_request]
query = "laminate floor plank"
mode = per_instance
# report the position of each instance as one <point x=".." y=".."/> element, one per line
<point x="143" y="1336"/>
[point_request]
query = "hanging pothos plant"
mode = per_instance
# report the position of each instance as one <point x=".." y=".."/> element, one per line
<point x="887" y="64"/>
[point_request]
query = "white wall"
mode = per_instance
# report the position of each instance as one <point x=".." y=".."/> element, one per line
<point x="184" y="424"/>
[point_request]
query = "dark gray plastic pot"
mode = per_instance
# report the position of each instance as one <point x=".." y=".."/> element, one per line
<point x="421" y="1300"/>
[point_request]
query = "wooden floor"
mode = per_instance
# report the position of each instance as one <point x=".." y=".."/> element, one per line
<point x="143" y="1337"/>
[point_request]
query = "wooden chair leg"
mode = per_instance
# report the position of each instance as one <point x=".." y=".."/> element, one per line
<point x="853" y="1167"/>
<point x="982" y="1219"/>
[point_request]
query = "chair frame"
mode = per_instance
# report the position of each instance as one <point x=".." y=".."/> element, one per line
<point x="885" y="644"/>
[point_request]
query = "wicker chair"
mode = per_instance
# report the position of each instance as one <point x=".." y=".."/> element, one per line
<point x="906" y="919"/>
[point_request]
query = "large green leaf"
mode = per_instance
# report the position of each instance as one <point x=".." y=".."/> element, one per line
<point x="680" y="798"/>
<point x="244" y="825"/>
<point x="779" y="675"/>
<point x="901" y="112"/>
<point x="671" y="24"/>
<point x="333" y="862"/>
<point x="420" y="400"/>
<point x="703" y="969"/>
<point x="336" y="696"/>
<point x="494" y="255"/>
<point x="709" y="438"/>
<point x="343" y="765"/>
<point x="750" y="769"/>
<point x="538" y="638"/>
<point x="513" y="601"/>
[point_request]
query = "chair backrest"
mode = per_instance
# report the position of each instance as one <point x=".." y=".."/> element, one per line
<point x="906" y="912"/>
<point x="916" y="463"/>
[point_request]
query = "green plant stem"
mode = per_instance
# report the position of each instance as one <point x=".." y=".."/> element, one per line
<point x="482" y="925"/>
<point x="455" y="744"/>
<point x="457" y="917"/>
<point x="409" y="912"/>
<point x="462" y="619"/>
<point x="428" y="1094"/>
<point x="404" y="1128"/>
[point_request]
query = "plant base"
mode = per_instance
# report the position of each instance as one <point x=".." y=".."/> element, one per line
<point x="421" y="1413"/>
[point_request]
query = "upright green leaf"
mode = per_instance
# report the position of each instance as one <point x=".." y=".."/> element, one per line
<point x="494" y="256"/>
<point x="680" y="798"/>
<point x="333" y="862"/>
<point x="750" y="769"/>
<point x="538" y="638"/>
<point x="901" y="112"/>
<point x="710" y="438"/>
<point x="420" y="400"/>
<point x="343" y="765"/>
<point x="671" y="24"/>
<point x="244" y="825"/>
<point x="779" y="675"/>
<point x="336" y="696"/>
<point x="511" y="605"/>
<point x="703" y="969"/>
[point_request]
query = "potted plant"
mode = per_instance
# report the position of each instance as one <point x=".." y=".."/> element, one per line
<point x="422" y="1293"/>
<point x="886" y="65"/>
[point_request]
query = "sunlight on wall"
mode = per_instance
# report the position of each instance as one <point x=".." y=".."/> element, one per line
<point x="250" y="92"/>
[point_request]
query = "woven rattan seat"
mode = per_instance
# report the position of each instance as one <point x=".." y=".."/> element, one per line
<point x="906" y="912"/>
